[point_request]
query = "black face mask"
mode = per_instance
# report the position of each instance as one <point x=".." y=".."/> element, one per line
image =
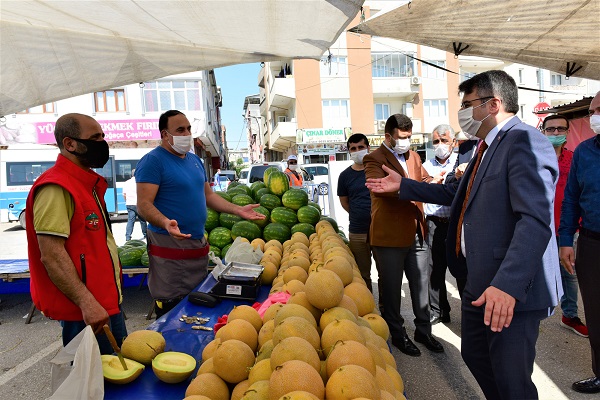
<point x="96" y="154"/>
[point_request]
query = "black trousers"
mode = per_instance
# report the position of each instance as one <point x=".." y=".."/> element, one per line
<point x="588" y="273"/>
<point x="501" y="362"/>
<point x="438" y="295"/>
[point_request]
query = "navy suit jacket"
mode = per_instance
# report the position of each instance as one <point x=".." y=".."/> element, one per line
<point x="508" y="222"/>
<point x="465" y="153"/>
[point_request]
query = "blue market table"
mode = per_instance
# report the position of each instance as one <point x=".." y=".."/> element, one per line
<point x="179" y="337"/>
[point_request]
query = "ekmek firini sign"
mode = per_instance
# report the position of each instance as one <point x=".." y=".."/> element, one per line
<point x="132" y="129"/>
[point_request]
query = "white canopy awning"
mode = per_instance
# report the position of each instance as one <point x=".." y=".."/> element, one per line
<point x="51" y="50"/>
<point x="561" y="36"/>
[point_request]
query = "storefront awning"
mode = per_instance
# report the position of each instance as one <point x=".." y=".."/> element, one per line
<point x="52" y="50"/>
<point x="561" y="36"/>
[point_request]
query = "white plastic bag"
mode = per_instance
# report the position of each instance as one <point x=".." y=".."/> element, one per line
<point x="83" y="379"/>
<point x="219" y="266"/>
<point x="243" y="252"/>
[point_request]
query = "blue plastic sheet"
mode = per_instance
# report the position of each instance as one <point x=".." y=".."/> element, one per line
<point x="179" y="336"/>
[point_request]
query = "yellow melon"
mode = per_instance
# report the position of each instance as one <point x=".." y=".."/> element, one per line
<point x="384" y="380"/>
<point x="209" y="349"/>
<point x="341" y="267"/>
<point x="257" y="391"/>
<point x="396" y="378"/>
<point x="269" y="272"/>
<point x="297" y="326"/>
<point x="333" y="314"/>
<point x="299" y="395"/>
<point x="293" y="286"/>
<point x="295" y="348"/>
<point x="271" y="257"/>
<point x="295" y="272"/>
<point x="378" y="325"/>
<point x="142" y="346"/>
<point x="206" y="367"/>
<point x="271" y="311"/>
<point x="340" y="330"/>
<point x="351" y="382"/>
<point x="265" y="350"/>
<point x="260" y="371"/>
<point x="388" y="358"/>
<point x="295" y="375"/>
<point x="349" y="304"/>
<point x="301" y="261"/>
<point x="300" y="237"/>
<point x="246" y="313"/>
<point x="266" y="332"/>
<point x="173" y="366"/>
<point x="258" y="243"/>
<point x="232" y="360"/>
<point x="362" y="297"/>
<point x="241" y="330"/>
<point x="301" y="299"/>
<point x="274" y="243"/>
<point x="350" y="352"/>
<point x="372" y="337"/>
<point x="324" y="289"/>
<point x="294" y="310"/>
<point x="238" y="391"/>
<point x="376" y="353"/>
<point x="209" y="385"/>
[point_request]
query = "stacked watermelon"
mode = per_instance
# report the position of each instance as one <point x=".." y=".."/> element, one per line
<point x="133" y="253"/>
<point x="286" y="211"/>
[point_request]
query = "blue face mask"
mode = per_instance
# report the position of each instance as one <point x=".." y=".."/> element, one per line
<point x="557" y="140"/>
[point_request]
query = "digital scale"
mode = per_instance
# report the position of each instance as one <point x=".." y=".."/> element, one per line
<point x="239" y="281"/>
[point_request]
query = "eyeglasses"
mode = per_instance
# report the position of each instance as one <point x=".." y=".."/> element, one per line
<point x="552" y="129"/>
<point x="467" y="104"/>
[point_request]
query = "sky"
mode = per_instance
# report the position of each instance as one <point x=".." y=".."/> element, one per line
<point x="236" y="82"/>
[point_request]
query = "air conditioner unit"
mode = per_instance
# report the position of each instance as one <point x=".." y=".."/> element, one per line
<point x="381" y="125"/>
<point x="415" y="80"/>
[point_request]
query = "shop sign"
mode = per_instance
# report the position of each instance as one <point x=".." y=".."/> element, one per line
<point x="312" y="149"/>
<point x="131" y="129"/>
<point x="415" y="140"/>
<point x="321" y="135"/>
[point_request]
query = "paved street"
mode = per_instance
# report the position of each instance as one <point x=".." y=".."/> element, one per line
<point x="25" y="350"/>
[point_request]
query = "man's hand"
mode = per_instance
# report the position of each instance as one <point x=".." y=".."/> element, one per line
<point x="567" y="259"/>
<point x="439" y="178"/>
<point x="460" y="170"/>
<point x="94" y="315"/>
<point x="390" y="183"/>
<point x="173" y="229"/>
<point x="499" y="307"/>
<point x="247" y="212"/>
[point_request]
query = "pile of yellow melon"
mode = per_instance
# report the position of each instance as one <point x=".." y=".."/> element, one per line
<point x="325" y="343"/>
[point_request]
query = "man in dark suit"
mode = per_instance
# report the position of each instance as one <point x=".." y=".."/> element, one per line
<point x="500" y="236"/>
<point x="398" y="238"/>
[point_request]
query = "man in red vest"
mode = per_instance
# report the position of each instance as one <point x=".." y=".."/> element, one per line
<point x="73" y="259"/>
<point x="294" y="176"/>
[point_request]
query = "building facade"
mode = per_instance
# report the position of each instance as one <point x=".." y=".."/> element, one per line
<point x="310" y="107"/>
<point x="129" y="115"/>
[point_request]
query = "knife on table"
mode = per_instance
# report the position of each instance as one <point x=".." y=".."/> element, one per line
<point x="114" y="345"/>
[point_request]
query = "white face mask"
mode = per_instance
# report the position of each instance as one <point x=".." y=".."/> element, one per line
<point x="293" y="167"/>
<point x="402" y="146"/>
<point x="442" y="151"/>
<point x="469" y="125"/>
<point x="595" y="123"/>
<point x="469" y="136"/>
<point x="358" y="156"/>
<point x="181" y="144"/>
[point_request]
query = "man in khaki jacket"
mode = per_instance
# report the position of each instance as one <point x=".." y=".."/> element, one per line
<point x="398" y="237"/>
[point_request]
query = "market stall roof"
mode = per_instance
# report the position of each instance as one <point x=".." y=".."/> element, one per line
<point x="561" y="36"/>
<point x="51" y="50"/>
<point x="576" y="109"/>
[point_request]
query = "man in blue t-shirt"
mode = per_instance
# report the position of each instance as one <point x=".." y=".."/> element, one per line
<point x="356" y="200"/>
<point x="173" y="193"/>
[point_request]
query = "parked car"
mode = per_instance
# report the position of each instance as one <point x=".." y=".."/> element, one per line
<point x="221" y="185"/>
<point x="320" y="174"/>
<point x="244" y="176"/>
<point x="231" y="175"/>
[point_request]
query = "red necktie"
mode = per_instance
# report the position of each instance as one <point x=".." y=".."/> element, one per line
<point x="482" y="147"/>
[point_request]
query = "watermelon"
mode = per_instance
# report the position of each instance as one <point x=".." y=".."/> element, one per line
<point x="315" y="205"/>
<point x="303" y="227"/>
<point x="284" y="215"/>
<point x="279" y="183"/>
<point x="224" y="250"/>
<point x="260" y="193"/>
<point x="216" y="251"/>
<point x="261" y="223"/>
<point x="132" y="256"/>
<point x="242" y="200"/>
<point x="145" y="259"/>
<point x="309" y="214"/>
<point x="295" y="198"/>
<point x="120" y="249"/>
<point x="245" y="189"/>
<point x="233" y="185"/>
<point x="224" y="195"/>
<point x="332" y="222"/>
<point x="227" y="220"/>
<point x="220" y="237"/>
<point x="245" y="229"/>
<point x="270" y="201"/>
<point x="256" y="186"/>
<point x="212" y="219"/>
<point x="343" y="236"/>
<point x="135" y="243"/>
<point x="276" y="231"/>
<point x="235" y="191"/>
<point x="268" y="173"/>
